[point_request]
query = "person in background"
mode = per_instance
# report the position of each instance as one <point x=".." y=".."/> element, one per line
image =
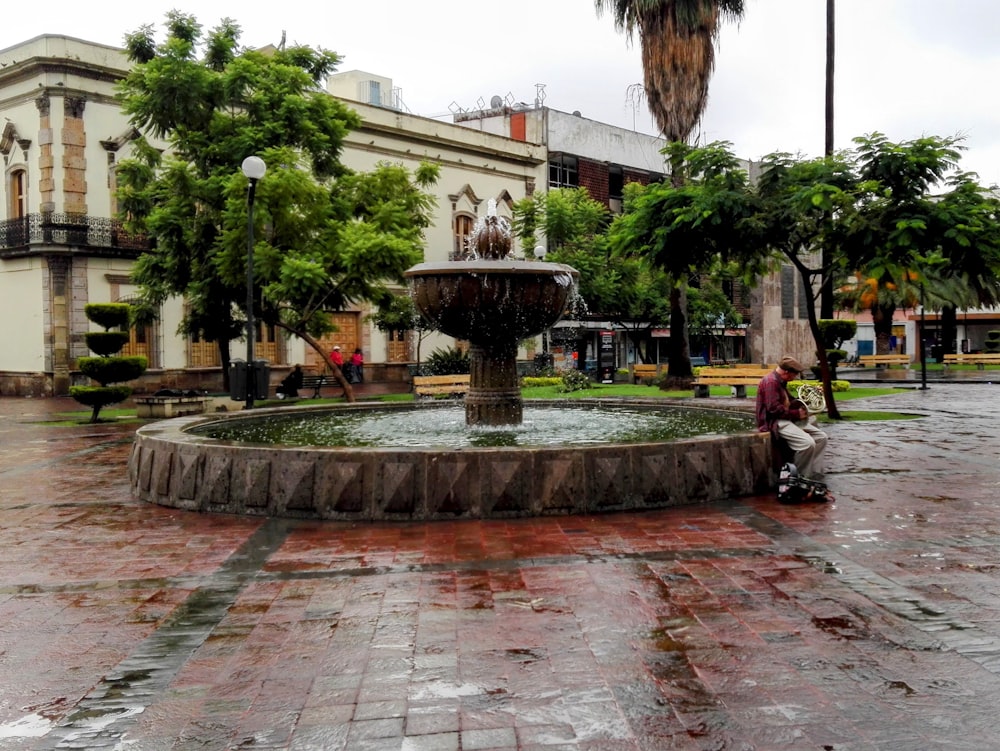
<point x="336" y="358"/>
<point x="289" y="387"/>
<point x="787" y="420"/>
<point x="357" y="363"/>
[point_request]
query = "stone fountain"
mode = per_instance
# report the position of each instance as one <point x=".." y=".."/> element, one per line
<point x="492" y="302"/>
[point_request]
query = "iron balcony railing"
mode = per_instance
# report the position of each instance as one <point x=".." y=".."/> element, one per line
<point x="36" y="233"/>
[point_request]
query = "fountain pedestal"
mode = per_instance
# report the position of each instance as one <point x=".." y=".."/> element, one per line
<point x="494" y="396"/>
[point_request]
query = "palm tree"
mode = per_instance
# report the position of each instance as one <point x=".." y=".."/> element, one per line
<point x="881" y="296"/>
<point x="678" y="53"/>
<point x="678" y="56"/>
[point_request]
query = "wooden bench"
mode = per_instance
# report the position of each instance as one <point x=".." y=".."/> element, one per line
<point x="884" y="361"/>
<point x="315" y="382"/>
<point x="980" y="360"/>
<point x="737" y="376"/>
<point x="448" y="385"/>
<point x="641" y="371"/>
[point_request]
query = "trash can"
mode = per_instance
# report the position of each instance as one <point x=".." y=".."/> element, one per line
<point x="238" y="380"/>
<point x="261" y="378"/>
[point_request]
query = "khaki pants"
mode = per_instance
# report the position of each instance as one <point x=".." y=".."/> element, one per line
<point x="806" y="440"/>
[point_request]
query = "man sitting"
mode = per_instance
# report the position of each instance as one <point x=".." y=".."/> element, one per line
<point x="787" y="420"/>
<point x="289" y="387"/>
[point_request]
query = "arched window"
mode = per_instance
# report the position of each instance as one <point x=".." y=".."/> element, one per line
<point x="18" y="192"/>
<point x="463" y="229"/>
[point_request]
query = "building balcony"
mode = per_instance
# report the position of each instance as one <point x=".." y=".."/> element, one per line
<point x="38" y="234"/>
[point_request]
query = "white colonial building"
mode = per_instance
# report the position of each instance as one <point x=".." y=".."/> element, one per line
<point x="61" y="246"/>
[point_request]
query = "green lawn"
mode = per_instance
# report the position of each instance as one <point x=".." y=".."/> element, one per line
<point x="652" y="392"/>
<point x="616" y="390"/>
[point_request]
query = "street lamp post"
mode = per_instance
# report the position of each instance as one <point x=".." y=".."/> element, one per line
<point x="540" y="254"/>
<point x="923" y="342"/>
<point x="254" y="168"/>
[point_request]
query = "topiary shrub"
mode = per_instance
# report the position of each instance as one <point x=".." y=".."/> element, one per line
<point x="107" y="369"/>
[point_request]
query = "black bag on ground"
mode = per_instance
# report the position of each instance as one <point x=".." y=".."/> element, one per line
<point x="795" y="489"/>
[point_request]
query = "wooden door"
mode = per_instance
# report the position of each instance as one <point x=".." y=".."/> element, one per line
<point x="203" y="353"/>
<point x="347" y="335"/>
<point x="398" y="346"/>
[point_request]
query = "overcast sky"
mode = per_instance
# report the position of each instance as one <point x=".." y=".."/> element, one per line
<point x="904" y="67"/>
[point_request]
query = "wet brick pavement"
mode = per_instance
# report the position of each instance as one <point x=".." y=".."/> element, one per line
<point x="870" y="623"/>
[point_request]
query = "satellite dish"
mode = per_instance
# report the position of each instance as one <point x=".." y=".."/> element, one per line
<point x="496" y="102"/>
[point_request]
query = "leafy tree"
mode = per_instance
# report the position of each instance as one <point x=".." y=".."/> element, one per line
<point x="804" y="204"/>
<point x="565" y="216"/>
<point x="690" y="228"/>
<point x="899" y="214"/>
<point x="626" y="290"/>
<point x="710" y="310"/>
<point x="401" y="314"/>
<point x="323" y="246"/>
<point x="919" y="212"/>
<point x="325" y="237"/>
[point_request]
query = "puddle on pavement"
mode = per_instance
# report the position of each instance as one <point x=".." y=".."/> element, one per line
<point x="30" y="726"/>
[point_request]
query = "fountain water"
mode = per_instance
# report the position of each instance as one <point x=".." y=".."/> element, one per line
<point x="492" y="302"/>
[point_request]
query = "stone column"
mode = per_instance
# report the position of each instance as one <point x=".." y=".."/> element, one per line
<point x="494" y="396"/>
<point x="59" y="323"/>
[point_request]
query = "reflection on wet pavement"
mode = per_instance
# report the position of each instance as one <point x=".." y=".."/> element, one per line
<point x="869" y="623"/>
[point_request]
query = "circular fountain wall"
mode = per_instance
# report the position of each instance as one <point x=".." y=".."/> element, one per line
<point x="172" y="466"/>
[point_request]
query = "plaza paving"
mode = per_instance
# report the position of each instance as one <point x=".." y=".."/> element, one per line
<point x="869" y="623"/>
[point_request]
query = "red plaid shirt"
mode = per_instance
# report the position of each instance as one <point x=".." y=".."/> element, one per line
<point x="773" y="403"/>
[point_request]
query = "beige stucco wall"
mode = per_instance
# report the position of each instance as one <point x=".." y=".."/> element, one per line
<point x="21" y="311"/>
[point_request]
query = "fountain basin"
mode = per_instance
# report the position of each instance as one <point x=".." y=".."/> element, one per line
<point x="171" y="466"/>
<point x="481" y="301"/>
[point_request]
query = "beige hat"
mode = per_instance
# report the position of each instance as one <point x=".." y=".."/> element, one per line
<point x="336" y="346"/>
<point x="790" y="364"/>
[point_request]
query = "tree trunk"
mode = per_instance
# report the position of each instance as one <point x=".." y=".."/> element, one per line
<point x="882" y="322"/>
<point x="224" y="359"/>
<point x="338" y="374"/>
<point x="679" y="360"/>
<point x="825" y="371"/>
<point x="949" y="330"/>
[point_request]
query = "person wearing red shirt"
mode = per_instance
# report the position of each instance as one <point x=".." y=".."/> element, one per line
<point x="336" y="358"/>
<point x="357" y="366"/>
<point x="787" y="420"/>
